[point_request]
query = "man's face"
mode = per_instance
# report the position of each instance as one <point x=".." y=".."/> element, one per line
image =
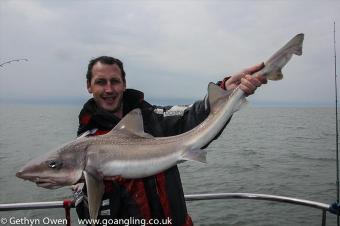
<point x="107" y="87"/>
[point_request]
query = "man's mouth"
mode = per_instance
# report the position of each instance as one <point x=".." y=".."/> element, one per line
<point x="109" y="99"/>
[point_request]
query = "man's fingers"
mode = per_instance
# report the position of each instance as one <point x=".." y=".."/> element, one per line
<point x="77" y="187"/>
<point x="254" y="81"/>
<point x="247" y="90"/>
<point x="247" y="86"/>
<point x="253" y="69"/>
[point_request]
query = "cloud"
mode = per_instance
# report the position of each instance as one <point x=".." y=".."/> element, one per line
<point x="169" y="48"/>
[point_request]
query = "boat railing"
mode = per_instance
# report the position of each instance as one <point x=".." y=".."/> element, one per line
<point x="67" y="204"/>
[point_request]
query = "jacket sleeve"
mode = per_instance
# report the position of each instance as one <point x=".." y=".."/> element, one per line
<point x="178" y="119"/>
<point x="174" y="120"/>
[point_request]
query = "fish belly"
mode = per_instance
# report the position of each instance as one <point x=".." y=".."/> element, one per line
<point x="139" y="168"/>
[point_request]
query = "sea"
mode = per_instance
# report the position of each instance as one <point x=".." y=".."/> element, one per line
<point x="277" y="150"/>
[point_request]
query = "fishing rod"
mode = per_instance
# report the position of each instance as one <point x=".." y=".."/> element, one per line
<point x="336" y="125"/>
<point x="14" y="60"/>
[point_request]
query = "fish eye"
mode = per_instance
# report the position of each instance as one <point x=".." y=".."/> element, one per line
<point x="54" y="164"/>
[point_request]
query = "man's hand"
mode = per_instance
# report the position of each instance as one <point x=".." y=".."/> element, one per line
<point x="77" y="187"/>
<point x="246" y="82"/>
<point x="78" y="194"/>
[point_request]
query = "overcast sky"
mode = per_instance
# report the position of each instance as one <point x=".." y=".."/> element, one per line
<point x="170" y="49"/>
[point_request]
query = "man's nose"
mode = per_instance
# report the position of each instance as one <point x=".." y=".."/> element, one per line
<point x="108" y="88"/>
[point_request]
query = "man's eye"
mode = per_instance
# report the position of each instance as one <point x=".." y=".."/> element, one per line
<point x="100" y="82"/>
<point x="115" y="81"/>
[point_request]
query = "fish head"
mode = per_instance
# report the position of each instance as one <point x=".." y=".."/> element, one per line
<point x="54" y="169"/>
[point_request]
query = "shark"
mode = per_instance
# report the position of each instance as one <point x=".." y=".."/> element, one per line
<point x="129" y="152"/>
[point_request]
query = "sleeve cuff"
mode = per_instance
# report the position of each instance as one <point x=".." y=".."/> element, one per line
<point x="222" y="83"/>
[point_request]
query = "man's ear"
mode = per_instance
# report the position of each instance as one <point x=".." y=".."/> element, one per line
<point x="88" y="84"/>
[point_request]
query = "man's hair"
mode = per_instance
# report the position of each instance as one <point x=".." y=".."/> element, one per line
<point x="104" y="60"/>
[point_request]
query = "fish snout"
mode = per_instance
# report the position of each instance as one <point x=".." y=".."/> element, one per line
<point x="19" y="174"/>
<point x="24" y="175"/>
<point x="30" y="171"/>
<point x="27" y="175"/>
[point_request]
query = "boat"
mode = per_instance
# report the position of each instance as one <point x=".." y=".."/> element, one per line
<point x="68" y="204"/>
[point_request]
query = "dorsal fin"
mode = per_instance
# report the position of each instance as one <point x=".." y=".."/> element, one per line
<point x="132" y="123"/>
<point x="216" y="95"/>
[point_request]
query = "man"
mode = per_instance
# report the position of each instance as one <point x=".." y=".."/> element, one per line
<point x="158" y="197"/>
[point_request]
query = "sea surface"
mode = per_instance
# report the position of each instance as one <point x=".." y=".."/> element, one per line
<point x="286" y="151"/>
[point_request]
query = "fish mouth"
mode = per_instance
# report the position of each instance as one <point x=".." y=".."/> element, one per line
<point x="39" y="181"/>
<point x="46" y="183"/>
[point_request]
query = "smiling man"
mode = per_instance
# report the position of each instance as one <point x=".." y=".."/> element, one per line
<point x="159" y="198"/>
<point x="107" y="84"/>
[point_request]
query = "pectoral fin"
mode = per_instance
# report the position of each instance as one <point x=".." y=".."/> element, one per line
<point x="275" y="75"/>
<point x="95" y="191"/>
<point x="197" y="155"/>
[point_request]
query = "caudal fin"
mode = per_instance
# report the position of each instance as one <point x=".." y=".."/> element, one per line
<point x="298" y="40"/>
<point x="279" y="59"/>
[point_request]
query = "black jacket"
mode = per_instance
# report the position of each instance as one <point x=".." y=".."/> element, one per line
<point x="156" y="197"/>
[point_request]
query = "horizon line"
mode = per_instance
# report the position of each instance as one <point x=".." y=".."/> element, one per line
<point x="155" y="101"/>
